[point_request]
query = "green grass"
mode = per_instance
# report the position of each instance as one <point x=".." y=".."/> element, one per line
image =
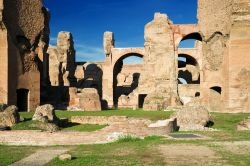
<point x="134" y="151"/>
<point x="228" y="122"/>
<point x="26" y="125"/>
<point x="127" y="138"/>
<point x="153" y="115"/>
<point x="125" y="152"/>
<point x="11" y="154"/>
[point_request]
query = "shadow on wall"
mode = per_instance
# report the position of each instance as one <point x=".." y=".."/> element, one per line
<point x="215" y="102"/>
<point x="92" y="79"/>
<point x="22" y="99"/>
<point x="187" y="76"/>
<point x="58" y="96"/>
<point x="126" y="90"/>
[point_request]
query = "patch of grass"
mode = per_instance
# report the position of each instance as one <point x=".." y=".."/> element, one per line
<point x="140" y="152"/>
<point x="25" y="125"/>
<point x="153" y="115"/>
<point x="153" y="138"/>
<point x="11" y="154"/>
<point x="67" y="126"/>
<point x="228" y="122"/>
<point x="127" y="138"/>
<point x="27" y="115"/>
<point x="84" y="127"/>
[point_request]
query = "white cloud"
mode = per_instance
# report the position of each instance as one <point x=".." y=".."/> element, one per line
<point x="53" y="41"/>
<point x="88" y="53"/>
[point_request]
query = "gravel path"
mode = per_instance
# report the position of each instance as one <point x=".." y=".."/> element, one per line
<point x="108" y="134"/>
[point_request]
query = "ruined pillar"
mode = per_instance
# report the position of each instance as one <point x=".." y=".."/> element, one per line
<point x="62" y="61"/>
<point x="107" y="82"/>
<point x="159" y="77"/>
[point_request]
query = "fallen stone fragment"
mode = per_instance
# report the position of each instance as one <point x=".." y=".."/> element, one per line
<point x="9" y="116"/>
<point x="64" y="157"/>
<point x="192" y="118"/>
<point x="244" y="125"/>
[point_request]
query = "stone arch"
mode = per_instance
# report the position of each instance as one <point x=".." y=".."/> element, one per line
<point x="189" y="60"/>
<point x="216" y="89"/>
<point x="132" y="82"/>
<point x="193" y="35"/>
<point x="186" y="31"/>
<point x="215" y="98"/>
<point x="189" y="69"/>
<point x="122" y="53"/>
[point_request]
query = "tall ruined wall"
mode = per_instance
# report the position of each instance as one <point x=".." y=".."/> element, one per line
<point x="62" y="61"/>
<point x="215" y="24"/>
<point x="238" y="99"/>
<point x="159" y="78"/>
<point x="24" y="28"/>
<point x="224" y="25"/>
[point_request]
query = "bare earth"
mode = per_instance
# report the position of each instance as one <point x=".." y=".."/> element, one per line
<point x="187" y="154"/>
<point x="41" y="157"/>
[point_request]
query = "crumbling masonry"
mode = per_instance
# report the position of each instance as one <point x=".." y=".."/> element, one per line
<point x="216" y="71"/>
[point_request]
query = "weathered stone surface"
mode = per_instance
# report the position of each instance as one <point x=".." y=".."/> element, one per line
<point x="168" y="124"/>
<point x="9" y="116"/>
<point x="24" y="18"/>
<point x="24" y="27"/>
<point x="155" y="102"/>
<point x="45" y="126"/>
<point x="86" y="100"/>
<point x="192" y="118"/>
<point x="101" y="120"/>
<point x="3" y="107"/>
<point x="45" y="113"/>
<point x="108" y="42"/>
<point x="214" y="16"/>
<point x="62" y="60"/>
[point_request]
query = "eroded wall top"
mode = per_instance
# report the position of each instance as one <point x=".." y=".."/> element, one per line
<point x="214" y="16"/>
<point x="24" y="18"/>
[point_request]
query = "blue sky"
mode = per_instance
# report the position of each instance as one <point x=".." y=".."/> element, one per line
<point x="87" y="20"/>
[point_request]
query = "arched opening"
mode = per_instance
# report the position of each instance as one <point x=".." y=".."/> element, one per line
<point x="188" y="70"/>
<point x="188" y="67"/>
<point x="215" y="99"/>
<point x="191" y="40"/>
<point x="216" y="89"/>
<point x="22" y="99"/>
<point x="126" y="75"/>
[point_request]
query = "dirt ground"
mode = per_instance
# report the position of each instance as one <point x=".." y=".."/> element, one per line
<point x="188" y="155"/>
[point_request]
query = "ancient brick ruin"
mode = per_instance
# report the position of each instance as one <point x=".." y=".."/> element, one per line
<point x="216" y="71"/>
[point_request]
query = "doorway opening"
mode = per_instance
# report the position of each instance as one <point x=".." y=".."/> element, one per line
<point x="22" y="100"/>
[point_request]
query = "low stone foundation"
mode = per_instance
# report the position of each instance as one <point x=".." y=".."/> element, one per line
<point x="134" y="126"/>
<point x="101" y="120"/>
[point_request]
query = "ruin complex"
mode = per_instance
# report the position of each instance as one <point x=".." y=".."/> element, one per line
<point x="216" y="70"/>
